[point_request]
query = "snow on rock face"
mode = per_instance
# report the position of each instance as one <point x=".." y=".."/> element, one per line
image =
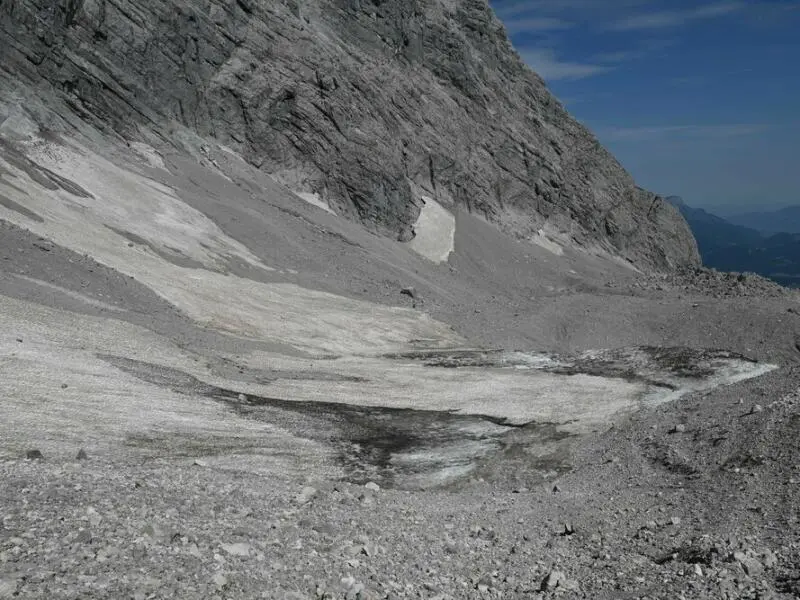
<point x="143" y="229"/>
<point x="435" y="231"/>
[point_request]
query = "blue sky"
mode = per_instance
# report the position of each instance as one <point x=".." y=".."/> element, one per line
<point x="699" y="99"/>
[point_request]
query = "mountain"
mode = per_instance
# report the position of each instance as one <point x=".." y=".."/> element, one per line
<point x="783" y="220"/>
<point x="727" y="246"/>
<point x="331" y="299"/>
<point x="369" y="106"/>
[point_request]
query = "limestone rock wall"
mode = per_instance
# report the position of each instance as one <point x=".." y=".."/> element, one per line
<point x="368" y="103"/>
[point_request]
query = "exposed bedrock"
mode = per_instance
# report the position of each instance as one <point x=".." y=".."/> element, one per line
<point x="368" y="104"/>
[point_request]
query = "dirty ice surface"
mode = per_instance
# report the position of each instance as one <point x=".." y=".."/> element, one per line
<point x="375" y="392"/>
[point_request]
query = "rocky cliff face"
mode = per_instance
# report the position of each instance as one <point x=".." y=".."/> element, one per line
<point x="370" y="104"/>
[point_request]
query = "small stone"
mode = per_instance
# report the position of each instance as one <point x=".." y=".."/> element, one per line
<point x="568" y="529"/>
<point x="355" y="592"/>
<point x="556" y="580"/>
<point x="7" y="588"/>
<point x="679" y="428"/>
<point x="34" y="454"/>
<point x="306" y="495"/>
<point x="757" y="408"/>
<point x="84" y="536"/>
<point x="81" y="455"/>
<point x="698" y="570"/>
<point x="371" y="485"/>
<point x="552" y="581"/>
<point x="64" y="386"/>
<point x="199" y="463"/>
<point x="219" y="580"/>
<point x="242" y="398"/>
<point x="237" y="549"/>
<point x="750" y="564"/>
<point x="409" y="291"/>
<point x="93" y="517"/>
<point x="19" y="340"/>
<point x="152" y="531"/>
<point x="556" y="489"/>
<point x="675" y="521"/>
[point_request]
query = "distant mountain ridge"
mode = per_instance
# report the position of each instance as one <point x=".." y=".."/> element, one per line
<point x="728" y="246"/>
<point x="782" y="220"/>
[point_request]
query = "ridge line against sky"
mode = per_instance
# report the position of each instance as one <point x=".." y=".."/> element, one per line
<point x="696" y="98"/>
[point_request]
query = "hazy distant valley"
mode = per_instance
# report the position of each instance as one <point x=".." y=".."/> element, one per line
<point x="766" y="243"/>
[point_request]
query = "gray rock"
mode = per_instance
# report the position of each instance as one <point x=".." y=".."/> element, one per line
<point x="81" y="455"/>
<point x="750" y="564"/>
<point x="34" y="454"/>
<point x="307" y="494"/>
<point x="302" y="93"/>
<point x="557" y="580"/>
<point x="237" y="549"/>
<point x="219" y="580"/>
<point x="8" y="588"/>
<point x="371" y="485"/>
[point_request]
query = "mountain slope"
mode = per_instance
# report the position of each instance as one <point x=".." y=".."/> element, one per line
<point x="372" y="106"/>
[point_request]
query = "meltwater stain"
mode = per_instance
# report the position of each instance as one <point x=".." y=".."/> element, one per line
<point x="395" y="447"/>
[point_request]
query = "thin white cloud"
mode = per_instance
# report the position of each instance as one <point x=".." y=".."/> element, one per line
<point x="675" y="18"/>
<point x="536" y="24"/>
<point x="644" y="49"/>
<point x="506" y="9"/>
<point x="545" y="62"/>
<point x="650" y="133"/>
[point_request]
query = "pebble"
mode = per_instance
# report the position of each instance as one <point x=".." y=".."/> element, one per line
<point x="306" y="495"/>
<point x="237" y="549"/>
<point x="7" y="588"/>
<point x="34" y="454"/>
<point x="557" y="580"/>
<point x="81" y="455"/>
<point x="679" y="428"/>
<point x="93" y="517"/>
<point x="373" y="486"/>
<point x="220" y="580"/>
<point x="750" y="564"/>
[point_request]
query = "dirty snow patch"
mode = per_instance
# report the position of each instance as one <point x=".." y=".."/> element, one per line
<point x="314" y="199"/>
<point x="435" y="232"/>
<point x="541" y="240"/>
<point x="149" y="154"/>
